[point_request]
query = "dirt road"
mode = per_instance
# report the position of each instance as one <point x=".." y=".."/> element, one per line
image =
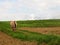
<point x="44" y="30"/>
<point x="7" y="40"/>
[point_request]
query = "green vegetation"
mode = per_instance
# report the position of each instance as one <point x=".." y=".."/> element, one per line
<point x="4" y="26"/>
<point x="32" y="36"/>
<point x="39" y="23"/>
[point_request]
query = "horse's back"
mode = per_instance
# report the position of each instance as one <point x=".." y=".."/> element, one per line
<point x="13" y="24"/>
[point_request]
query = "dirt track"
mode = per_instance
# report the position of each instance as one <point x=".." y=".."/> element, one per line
<point x="49" y="30"/>
<point x="7" y="40"/>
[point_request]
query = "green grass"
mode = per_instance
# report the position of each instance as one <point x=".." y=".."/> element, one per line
<point x="32" y="36"/>
<point x="39" y="23"/>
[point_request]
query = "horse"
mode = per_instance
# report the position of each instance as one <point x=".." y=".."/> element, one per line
<point x="13" y="25"/>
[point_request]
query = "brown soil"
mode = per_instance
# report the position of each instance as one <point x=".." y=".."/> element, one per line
<point x="43" y="30"/>
<point x="7" y="40"/>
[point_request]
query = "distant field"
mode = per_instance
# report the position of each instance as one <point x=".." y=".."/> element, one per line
<point x="39" y="23"/>
<point x="33" y="36"/>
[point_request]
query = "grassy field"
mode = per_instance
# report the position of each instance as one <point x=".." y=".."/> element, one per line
<point x="33" y="36"/>
<point x="39" y="23"/>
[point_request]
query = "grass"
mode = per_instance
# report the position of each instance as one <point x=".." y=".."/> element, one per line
<point x="32" y="36"/>
<point x="39" y="23"/>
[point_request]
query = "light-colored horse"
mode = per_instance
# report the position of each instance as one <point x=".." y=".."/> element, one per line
<point x="13" y="25"/>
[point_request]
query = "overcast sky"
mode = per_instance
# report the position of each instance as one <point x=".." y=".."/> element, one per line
<point x="29" y="9"/>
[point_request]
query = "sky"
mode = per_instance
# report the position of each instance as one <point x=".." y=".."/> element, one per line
<point x="29" y="9"/>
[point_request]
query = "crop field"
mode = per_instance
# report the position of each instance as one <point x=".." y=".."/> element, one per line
<point x="31" y="32"/>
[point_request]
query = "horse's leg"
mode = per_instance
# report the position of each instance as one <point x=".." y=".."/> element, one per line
<point x="14" y="29"/>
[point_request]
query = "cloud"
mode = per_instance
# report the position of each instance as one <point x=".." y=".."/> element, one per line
<point x="54" y="8"/>
<point x="23" y="9"/>
<point x="35" y="7"/>
<point x="33" y="4"/>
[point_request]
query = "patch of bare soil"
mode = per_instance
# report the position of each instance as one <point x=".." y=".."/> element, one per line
<point x="7" y="40"/>
<point x="43" y="30"/>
